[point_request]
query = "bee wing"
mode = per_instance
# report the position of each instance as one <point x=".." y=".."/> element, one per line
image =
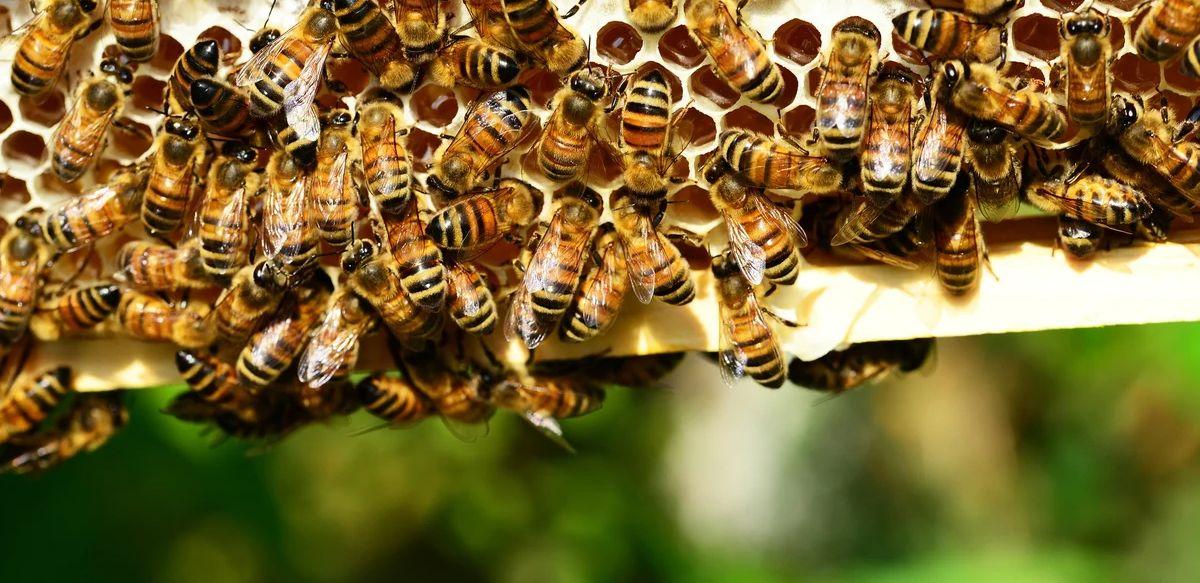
<point x="782" y="219"/>
<point x="865" y="213"/>
<point x="602" y="285"/>
<point x="472" y="302"/>
<point x="730" y="358"/>
<point x="298" y="96"/>
<point x="884" y="257"/>
<point x="278" y="208"/>
<point x="642" y="267"/>
<point x="338" y="171"/>
<point x="468" y="432"/>
<point x="1004" y="200"/>
<point x="523" y="322"/>
<point x="680" y="135"/>
<point x="549" y="427"/>
<point x="332" y="343"/>
<point x="749" y="255"/>
<point x="255" y="68"/>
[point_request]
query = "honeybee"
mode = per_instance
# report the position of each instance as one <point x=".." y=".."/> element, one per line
<point x="23" y="261"/>
<point x="288" y="222"/>
<point x="1155" y="227"/>
<point x="1086" y="50"/>
<point x="552" y="273"/>
<point x="179" y="150"/>
<point x="74" y="311"/>
<point x="31" y="400"/>
<point x="151" y="318"/>
<point x="976" y="89"/>
<point x="939" y="145"/>
<point x="200" y="61"/>
<point x="1167" y="28"/>
<point x="332" y="348"/>
<point x="995" y="170"/>
<point x="543" y="400"/>
<point x="842" y="109"/>
<point x="566" y="141"/>
<point x="421" y="25"/>
<point x="842" y="370"/>
<point x="636" y="371"/>
<point x="764" y="238"/>
<point x="134" y="24"/>
<point x="958" y="242"/>
<point x="748" y="344"/>
<point x="157" y="267"/>
<point x="598" y="299"/>
<point x="651" y="16"/>
<point x="1079" y="238"/>
<point x="1120" y="167"/>
<point x="472" y="62"/>
<point x="738" y="52"/>
<point x="482" y="218"/>
<point x="91" y="421"/>
<point x="418" y="260"/>
<point x="387" y="169"/>
<point x="456" y="394"/>
<point x="254" y="293"/>
<point x="537" y="28"/>
<point x="469" y="299"/>
<point x="222" y="109"/>
<point x="656" y="267"/>
<point x="1190" y="62"/>
<point x="983" y="9"/>
<point x="490" y="130"/>
<point x="487" y="16"/>
<point x="650" y="138"/>
<point x="394" y="399"/>
<point x="83" y="133"/>
<point x="82" y="220"/>
<point x="46" y="42"/>
<point x="1091" y="198"/>
<point x="273" y="348"/>
<point x="375" y="275"/>
<point x="887" y="147"/>
<point x="334" y="190"/>
<point x="367" y="34"/>
<point x="224" y="213"/>
<point x="945" y="34"/>
<point x="1147" y="139"/>
<point x="766" y="163"/>
<point x="216" y="382"/>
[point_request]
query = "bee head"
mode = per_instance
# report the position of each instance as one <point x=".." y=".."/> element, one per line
<point x="359" y="252"/>
<point x="587" y="84"/>
<point x="1125" y="113"/>
<point x="269" y="275"/>
<point x="1090" y="22"/>
<point x="117" y="71"/>
<point x="182" y="127"/>
<point x="239" y="151"/>
<point x="322" y="24"/>
<point x="339" y="118"/>
<point x="262" y="38"/>
<point x="984" y="132"/>
<point x="723" y="265"/>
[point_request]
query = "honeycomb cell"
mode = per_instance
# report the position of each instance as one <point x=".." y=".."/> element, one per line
<point x="49" y="182"/>
<point x="347" y="76"/>
<point x="1175" y="78"/>
<point x="672" y="80"/>
<point x="1117" y="37"/>
<point x="501" y="254"/>
<point x="706" y="84"/>
<point x="1024" y="73"/>
<point x="148" y="92"/>
<point x="542" y="85"/>
<point x="1037" y="35"/>
<point x="1125" y="4"/>
<point x="798" y="121"/>
<point x="1134" y="74"/>
<point x="13" y="191"/>
<point x="169" y="51"/>
<point x="747" y="118"/>
<point x="798" y="41"/>
<point x="24" y="148"/>
<point x="603" y="166"/>
<point x="5" y="22"/>
<point x="814" y="81"/>
<point x="701" y="128"/>
<point x="790" y="86"/>
<point x="131" y="139"/>
<point x="696" y="256"/>
<point x="677" y="46"/>
<point x="421" y="146"/>
<point x="691" y="205"/>
<point x="619" y="42"/>
<point x="6" y="116"/>
<point x="434" y="105"/>
<point x="230" y="44"/>
<point x="44" y="111"/>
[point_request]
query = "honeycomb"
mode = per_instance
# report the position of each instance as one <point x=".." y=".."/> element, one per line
<point x="840" y="303"/>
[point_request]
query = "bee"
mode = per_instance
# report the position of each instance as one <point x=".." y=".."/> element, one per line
<point x="482" y="218"/>
<point x="90" y="422"/>
<point x="418" y="260"/>
<point x="1155" y="227"/>
<point x="959" y="245"/>
<point x="1086" y="50"/>
<point x="1190" y="62"/>
<point x="134" y="24"/>
<point x="83" y="133"/>
<point x="288" y="223"/>
<point x="23" y="261"/>
<point x="74" y="311"/>
<point x="748" y="344"/>
<point x="487" y="16"/>
<point x="842" y="109"/>
<point x="469" y="300"/>
<point x="766" y="163"/>
<point x="945" y="34"/>
<point x="887" y="146"/>
<point x="471" y="62"/>
<point x="374" y="42"/>
<point x="394" y="399"/>
<point x="82" y="220"/>
<point x="636" y="371"/>
<point x="1120" y="167"/>
<point x="200" y="61"/>
<point x="490" y="130"/>
<point x="151" y="318"/>
<point x="843" y="370"/>
<point x="333" y="345"/>
<point x="939" y="145"/>
<point x="1167" y="28"/>
<point x="179" y="150"/>
<point x="216" y="382"/>
<point x="421" y="25"/>
<point x="598" y="299"/>
<point x="456" y="396"/>
<point x="1078" y="237"/>
<point x="46" y="43"/>
<point x="224" y="219"/>
<point x="221" y="108"/>
<point x="374" y="275"/>
<point x="976" y="89"/>
<point x="387" y="169"/>
<point x="263" y="38"/>
<point x="1090" y="198"/>
<point x="738" y="52"/>
<point x="273" y="348"/>
<point x="982" y="9"/>
<point x="537" y="28"/>
<point x="254" y="294"/>
<point x="552" y="274"/>
<point x="994" y="169"/>
<point x="158" y="267"/>
<point x="543" y="400"/>
<point x="31" y="400"/>
<point x="765" y="240"/>
<point x="651" y="16"/>
<point x="1147" y="139"/>
<point x="566" y="141"/>
<point x="334" y="191"/>
<point x="649" y="137"/>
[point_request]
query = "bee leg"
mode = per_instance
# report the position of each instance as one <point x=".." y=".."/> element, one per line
<point x="573" y="10"/>
<point x="1188" y="125"/>
<point x="785" y="321"/>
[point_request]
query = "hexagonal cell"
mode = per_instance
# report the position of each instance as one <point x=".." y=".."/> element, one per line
<point x="1174" y="77"/>
<point x="677" y="46"/>
<point x="169" y="51"/>
<point x="1117" y="37"/>
<point x="603" y="166"/>
<point x="131" y="139"/>
<point x="702" y="128"/>
<point x="48" y="181"/>
<point x="5" y="21"/>
<point x="790" y="86"/>
<point x="347" y="76"/>
<point x="691" y="205"/>
<point x="798" y="41"/>
<point x="148" y="92"/>
<point x="696" y="256"/>
<point x="13" y="192"/>
<point x="1037" y="35"/>
<point x="22" y="148"/>
<point x="706" y="84"/>
<point x="6" y="116"/>
<point x="230" y="44"/>
<point x="747" y="118"/>
<point x="618" y="41"/>
<point x="434" y="105"/>
<point x="421" y="146"/>
<point x="541" y="83"/>
<point x="1134" y="74"/>
<point x="814" y="80"/>
<point x="798" y="121"/>
<point x="44" y="111"/>
<point x="672" y="80"/>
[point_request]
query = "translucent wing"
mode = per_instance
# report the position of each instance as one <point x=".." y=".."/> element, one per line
<point x="884" y="257"/>
<point x="603" y="283"/>
<point x="777" y="215"/>
<point x="333" y="343"/>
<point x="523" y="322"/>
<point x="854" y="223"/>
<point x="749" y="255"/>
<point x="555" y="251"/>
<point x="464" y="431"/>
<point x="255" y="68"/>
<point x="644" y="252"/>
<point x="280" y="209"/>
<point x="549" y="427"/>
<point x="298" y="96"/>
<point x="340" y="167"/>
<point x="472" y="302"/>
<point x="731" y="359"/>
<point x="998" y="200"/>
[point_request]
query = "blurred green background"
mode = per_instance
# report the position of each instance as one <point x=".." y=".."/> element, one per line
<point x="1056" y="456"/>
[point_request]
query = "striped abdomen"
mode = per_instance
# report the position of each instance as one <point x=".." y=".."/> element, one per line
<point x="555" y="296"/>
<point x="467" y="223"/>
<point x="210" y="377"/>
<point x="147" y="317"/>
<point x="169" y="189"/>
<point x="386" y="167"/>
<point x="224" y="231"/>
<point x="1169" y="26"/>
<point x="82" y="220"/>
<point x="768" y="164"/>
<point x="266" y="94"/>
<point x="672" y="277"/>
<point x="39" y="60"/>
<point x="646" y="116"/>
<point x="1181" y="167"/>
<point x="337" y="208"/>
<point x="394" y="399"/>
<point x="563" y="149"/>
<point x="20" y="286"/>
<point x="201" y="60"/>
<point x="1104" y="201"/>
<point x="222" y="109"/>
<point x="479" y="64"/>
<point x="942" y="33"/>
<point x="1088" y="77"/>
<point x="82" y="309"/>
<point x="26" y="406"/>
<point x="419" y="262"/>
<point x="748" y="332"/>
<point x="958" y="246"/>
<point x="782" y="257"/>
<point x="938" y="154"/>
<point x="134" y="23"/>
<point x="599" y="298"/>
<point x="469" y="300"/>
<point x="533" y="22"/>
<point x="842" y="100"/>
<point x="739" y="56"/>
<point x="887" y="149"/>
<point x="1032" y="116"/>
<point x="368" y="35"/>
<point x="1191" y="60"/>
<point x="81" y="135"/>
<point x="271" y="350"/>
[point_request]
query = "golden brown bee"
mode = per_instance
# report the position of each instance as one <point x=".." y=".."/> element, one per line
<point x="938" y="144"/>
<point x="482" y="218"/>
<point x="421" y="25"/>
<point x="1155" y="227"/>
<point x="334" y="190"/>
<point x="842" y="108"/>
<point x="738" y="52"/>
<point x="471" y="62"/>
<point x="959" y="245"/>
<point x="566" y="141"/>
<point x="636" y="371"/>
<point x="552" y="273"/>
<point x="134" y="24"/>
<point x="1147" y="139"/>
<point x="748" y="344"/>
<point x="46" y="43"/>
<point x="74" y="311"/>
<point x="976" y="89"/>
<point x="289" y="222"/>
<point x="150" y="266"/>
<point x="394" y="399"/>
<point x="371" y="39"/>
<point x="487" y="16"/>
<point x="543" y="400"/>
<point x="1167" y="27"/>
<point x="983" y="9"/>
<point x="332" y="348"/>
<point x="32" y="400"/>
<point x="224" y="216"/>
<point x="254" y="294"/>
<point x="273" y="348"/>
<point x="387" y="169"/>
<point x="1086" y="50"/>
<point x="1091" y="198"/>
<point x="599" y="297"/>
<point x="765" y="240"/>
<point x="651" y="16"/>
<point x="650" y="138"/>
<point x="151" y="318"/>
<point x="418" y="259"/>
<point x="656" y="267"/>
<point x="1190" y="63"/>
<point x="469" y="300"/>
<point x="1079" y="238"/>
<point x="83" y="133"/>
<point x="214" y="381"/>
<point x="174" y="168"/>
<point x="375" y="276"/>
<point x="995" y="170"/>
<point x="222" y="109"/>
<point x="887" y="147"/>
<point x="81" y="220"/>
<point x="767" y="163"/>
<point x="945" y="34"/>
<point x="537" y="28"/>
<point x="91" y="421"/>
<point x="201" y="60"/>
<point x="23" y="260"/>
<point x="1120" y="167"/>
<point x="843" y="370"/>
<point x="865" y="222"/>
<point x="490" y="130"/>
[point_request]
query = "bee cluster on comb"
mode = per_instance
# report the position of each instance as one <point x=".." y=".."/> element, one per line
<point x="443" y="188"/>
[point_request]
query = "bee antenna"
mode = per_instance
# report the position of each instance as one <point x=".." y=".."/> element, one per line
<point x="158" y="111"/>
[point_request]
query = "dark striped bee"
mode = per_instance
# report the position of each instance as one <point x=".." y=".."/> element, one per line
<point x="174" y="170"/>
<point x="75" y="310"/>
<point x="1090" y="198"/>
<point x="134" y="24"/>
<point x="221" y="108"/>
<point x="1121" y="167"/>
<point x="1087" y="52"/>
<point x="651" y="15"/>
<point x="31" y="400"/>
<point x="887" y="146"/>
<point x="334" y="190"/>
<point x="289" y="230"/>
<point x="469" y="300"/>
<point x="89" y="423"/>
<point x="387" y="169"/>
<point x="1147" y="139"/>
<point x="148" y="317"/>
<point x="765" y="240"/>
<point x="83" y="134"/>
<point x="23" y="262"/>
<point x="1167" y="28"/>
<point x="738" y="52"/>
<point x="577" y="114"/>
<point x="490" y="130"/>
<point x="945" y="34"/>
<point x="543" y="400"/>
<point x="159" y="267"/>
<point x="272" y="349"/>
<point x="938" y="144"/>
<point x="983" y="9"/>
<point x="767" y="163"/>
<point x="254" y="294"/>
<point x="748" y="345"/>
<point x="1079" y="238"/>
<point x="958" y="242"/>
<point x="656" y="267"/>
<point x="976" y="89"/>
<point x="46" y="42"/>
<point x="374" y="42"/>
<point x="394" y="399"/>
<point x="651" y="138"/>
<point x="1190" y="63"/>
<point x="537" y="28"/>
<point x="480" y="219"/>
<point x="333" y="345"/>
<point x="598" y="299"/>
<point x="842" y="109"/>
<point x="842" y="370"/>
<point x="200" y="61"/>
<point x="82" y="220"/>
<point x="471" y="62"/>
<point x="418" y="259"/>
<point x="995" y="170"/>
<point x="375" y="276"/>
<point x="224" y="216"/>
<point x="216" y="382"/>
